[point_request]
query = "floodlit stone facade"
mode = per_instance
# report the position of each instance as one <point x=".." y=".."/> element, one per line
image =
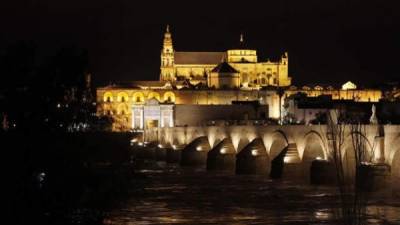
<point x="209" y="79"/>
<point x="197" y="66"/>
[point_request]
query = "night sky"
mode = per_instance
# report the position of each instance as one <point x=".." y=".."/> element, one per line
<point x="327" y="41"/>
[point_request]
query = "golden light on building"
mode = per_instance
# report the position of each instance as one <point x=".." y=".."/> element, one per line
<point x="349" y="86"/>
<point x="195" y="79"/>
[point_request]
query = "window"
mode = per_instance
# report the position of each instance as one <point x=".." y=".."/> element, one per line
<point x="263" y="80"/>
<point x="138" y="99"/>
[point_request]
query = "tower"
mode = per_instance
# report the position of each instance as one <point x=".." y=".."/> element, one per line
<point x="167" y="58"/>
<point x="283" y="71"/>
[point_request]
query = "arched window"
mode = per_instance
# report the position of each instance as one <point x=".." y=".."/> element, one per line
<point x="122" y="109"/>
<point x="263" y="81"/>
<point x="138" y="97"/>
<point x="108" y="97"/>
<point x="169" y="97"/>
<point x="122" y="97"/>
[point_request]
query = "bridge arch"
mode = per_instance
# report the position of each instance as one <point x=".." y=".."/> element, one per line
<point x="314" y="147"/>
<point x="390" y="149"/>
<point x="215" y="135"/>
<point x="242" y="142"/>
<point x="348" y="159"/>
<point x="369" y="148"/>
<point x="396" y="169"/>
<point x="279" y="142"/>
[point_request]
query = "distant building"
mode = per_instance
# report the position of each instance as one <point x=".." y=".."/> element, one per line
<point x="198" y="87"/>
<point x="197" y="66"/>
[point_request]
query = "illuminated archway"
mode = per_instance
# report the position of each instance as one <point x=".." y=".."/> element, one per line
<point x="313" y="148"/>
<point x="169" y="97"/>
<point x="138" y="97"/>
<point x="154" y="95"/>
<point x="279" y="142"/>
<point x="122" y="109"/>
<point x="396" y="170"/>
<point x="107" y="110"/>
<point x="108" y="97"/>
<point x="243" y="142"/>
<point x="349" y="162"/>
<point x="122" y="97"/>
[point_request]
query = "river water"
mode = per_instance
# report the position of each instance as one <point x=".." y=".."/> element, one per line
<point x="170" y="194"/>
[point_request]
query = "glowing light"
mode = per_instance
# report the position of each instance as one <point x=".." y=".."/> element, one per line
<point x="140" y="143"/>
<point x="286" y="160"/>
<point x="174" y="147"/>
<point x="318" y="158"/>
<point x="349" y="86"/>
<point x="223" y="150"/>
<point x="160" y="145"/>
<point x="254" y="152"/>
<point x="199" y="148"/>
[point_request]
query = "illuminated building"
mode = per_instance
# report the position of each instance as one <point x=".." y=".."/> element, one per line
<point x="197" y="66"/>
<point x="208" y="82"/>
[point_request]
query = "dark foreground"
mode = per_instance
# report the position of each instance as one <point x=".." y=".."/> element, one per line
<point x="90" y="178"/>
<point x="175" y="195"/>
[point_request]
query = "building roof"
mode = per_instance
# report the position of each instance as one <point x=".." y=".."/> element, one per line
<point x="139" y="85"/>
<point x="224" y="67"/>
<point x="198" y="57"/>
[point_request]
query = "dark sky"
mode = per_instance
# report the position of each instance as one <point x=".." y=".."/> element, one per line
<point x="327" y="41"/>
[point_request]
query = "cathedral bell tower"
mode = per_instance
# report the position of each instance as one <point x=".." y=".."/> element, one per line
<point x="167" y="58"/>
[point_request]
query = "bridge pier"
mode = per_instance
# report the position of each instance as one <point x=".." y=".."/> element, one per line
<point x="253" y="159"/>
<point x="174" y="154"/>
<point x="323" y="172"/>
<point x="195" y="153"/>
<point x="373" y="177"/>
<point x="222" y="157"/>
<point x="292" y="167"/>
<point x="145" y="151"/>
<point x="161" y="153"/>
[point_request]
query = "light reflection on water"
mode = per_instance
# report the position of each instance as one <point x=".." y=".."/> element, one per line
<point x="174" y="195"/>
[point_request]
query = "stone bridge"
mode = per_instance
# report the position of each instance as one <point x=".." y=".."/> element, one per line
<point x="296" y="144"/>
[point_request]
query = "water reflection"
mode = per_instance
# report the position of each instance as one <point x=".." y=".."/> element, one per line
<point x="174" y="195"/>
